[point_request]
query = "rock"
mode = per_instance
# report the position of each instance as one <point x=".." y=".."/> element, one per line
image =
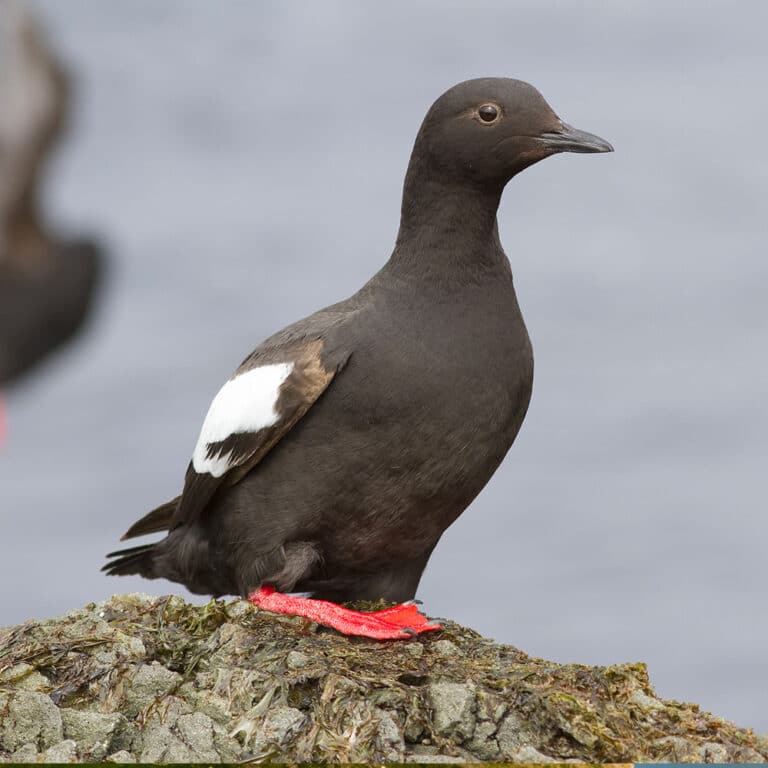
<point x="483" y="743"/>
<point x="511" y="736"/>
<point x="453" y="705"/>
<point x="94" y="732"/>
<point x="29" y="718"/>
<point x="138" y="678"/>
<point x="645" y="701"/>
<point x="160" y="745"/>
<point x="446" y="648"/>
<point x="389" y="737"/>
<point x="425" y="748"/>
<point x="415" y="649"/>
<point x="63" y="752"/>
<point x="713" y="753"/>
<point x="490" y="706"/>
<point x="747" y="755"/>
<point x="208" y="702"/>
<point x="25" y="676"/>
<point x="529" y="754"/>
<point x="676" y="749"/>
<point x="26" y="754"/>
<point x="297" y="660"/>
<point x="414" y="725"/>
<point x="186" y="738"/>
<point x="241" y="609"/>
<point x="149" y="683"/>
<point x="197" y="732"/>
<point x="280" y="725"/>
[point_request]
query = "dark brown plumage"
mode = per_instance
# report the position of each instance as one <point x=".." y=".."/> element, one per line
<point x="47" y="283"/>
<point x="392" y="409"/>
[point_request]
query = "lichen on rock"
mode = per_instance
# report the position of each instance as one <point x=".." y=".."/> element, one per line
<point x="140" y="678"/>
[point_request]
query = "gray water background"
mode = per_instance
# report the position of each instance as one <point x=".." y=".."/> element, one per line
<point x="244" y="162"/>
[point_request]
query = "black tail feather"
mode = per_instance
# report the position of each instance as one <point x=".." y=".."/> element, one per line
<point x="157" y="520"/>
<point x="136" y="560"/>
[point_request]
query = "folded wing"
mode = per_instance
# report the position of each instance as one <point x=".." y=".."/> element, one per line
<point x="251" y="413"/>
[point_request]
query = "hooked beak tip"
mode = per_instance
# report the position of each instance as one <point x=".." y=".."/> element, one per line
<point x="570" y="139"/>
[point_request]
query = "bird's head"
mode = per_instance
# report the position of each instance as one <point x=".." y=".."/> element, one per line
<point x="487" y="130"/>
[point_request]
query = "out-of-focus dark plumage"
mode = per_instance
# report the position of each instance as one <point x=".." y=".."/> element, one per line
<point x="47" y="283"/>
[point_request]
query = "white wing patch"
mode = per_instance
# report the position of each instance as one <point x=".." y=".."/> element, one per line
<point x="246" y="403"/>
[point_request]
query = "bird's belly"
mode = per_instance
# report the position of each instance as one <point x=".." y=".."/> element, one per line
<point x="418" y="457"/>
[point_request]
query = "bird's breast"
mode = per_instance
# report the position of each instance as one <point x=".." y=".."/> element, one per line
<point x="453" y="375"/>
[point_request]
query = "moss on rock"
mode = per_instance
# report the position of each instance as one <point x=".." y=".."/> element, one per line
<point x="139" y="678"/>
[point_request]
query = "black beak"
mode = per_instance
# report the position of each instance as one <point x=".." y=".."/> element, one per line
<point x="570" y="139"/>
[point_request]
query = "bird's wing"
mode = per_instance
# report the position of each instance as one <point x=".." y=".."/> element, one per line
<point x="252" y="412"/>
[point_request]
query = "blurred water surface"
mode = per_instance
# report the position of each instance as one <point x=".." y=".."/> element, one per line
<point x="245" y="161"/>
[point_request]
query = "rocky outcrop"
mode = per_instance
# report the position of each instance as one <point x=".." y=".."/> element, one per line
<point x="141" y="678"/>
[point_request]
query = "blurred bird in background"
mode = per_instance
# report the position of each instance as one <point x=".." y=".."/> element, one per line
<point x="47" y="282"/>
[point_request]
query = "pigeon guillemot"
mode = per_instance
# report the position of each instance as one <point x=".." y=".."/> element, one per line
<point x="47" y="283"/>
<point x="344" y="445"/>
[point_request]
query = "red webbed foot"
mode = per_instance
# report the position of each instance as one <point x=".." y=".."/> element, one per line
<point x="405" y="615"/>
<point x="396" y="623"/>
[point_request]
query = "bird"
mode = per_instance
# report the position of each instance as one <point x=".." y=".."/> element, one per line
<point x="331" y="462"/>
<point x="48" y="282"/>
<point x="45" y="304"/>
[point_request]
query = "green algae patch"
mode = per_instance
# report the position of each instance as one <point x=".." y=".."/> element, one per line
<point x="140" y="678"/>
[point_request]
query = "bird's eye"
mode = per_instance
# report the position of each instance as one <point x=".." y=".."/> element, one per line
<point x="488" y="113"/>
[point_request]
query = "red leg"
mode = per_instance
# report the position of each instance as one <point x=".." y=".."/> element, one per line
<point x="397" y="623"/>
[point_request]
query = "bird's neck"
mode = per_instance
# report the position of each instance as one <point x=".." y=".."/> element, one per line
<point x="447" y="227"/>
